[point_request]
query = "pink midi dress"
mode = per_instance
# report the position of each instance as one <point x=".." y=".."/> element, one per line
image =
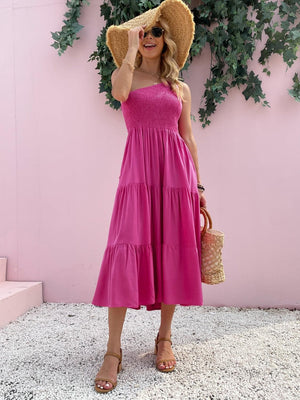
<point x="153" y="252"/>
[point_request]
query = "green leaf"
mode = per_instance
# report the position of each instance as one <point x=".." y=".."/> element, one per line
<point x="295" y="91"/>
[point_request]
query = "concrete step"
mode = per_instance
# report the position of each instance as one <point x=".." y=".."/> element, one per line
<point x="17" y="297"/>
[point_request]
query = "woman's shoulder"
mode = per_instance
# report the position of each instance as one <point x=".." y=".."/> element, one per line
<point x="185" y="87"/>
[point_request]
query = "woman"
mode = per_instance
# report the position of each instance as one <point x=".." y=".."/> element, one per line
<point x="153" y="255"/>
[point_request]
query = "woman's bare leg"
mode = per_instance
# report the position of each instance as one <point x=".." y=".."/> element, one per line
<point x="164" y="347"/>
<point x="116" y="317"/>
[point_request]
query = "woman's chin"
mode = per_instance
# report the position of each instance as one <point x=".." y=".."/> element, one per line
<point x="151" y="55"/>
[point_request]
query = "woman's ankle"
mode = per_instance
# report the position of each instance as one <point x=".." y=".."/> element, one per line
<point x="164" y="333"/>
<point x="114" y="346"/>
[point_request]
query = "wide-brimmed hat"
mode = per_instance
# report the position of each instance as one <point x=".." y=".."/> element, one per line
<point x="179" y="19"/>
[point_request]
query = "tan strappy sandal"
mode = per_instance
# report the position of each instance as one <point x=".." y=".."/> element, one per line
<point x="157" y="340"/>
<point x="100" y="378"/>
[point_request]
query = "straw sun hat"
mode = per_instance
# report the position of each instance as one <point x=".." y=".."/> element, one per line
<point x="179" y="19"/>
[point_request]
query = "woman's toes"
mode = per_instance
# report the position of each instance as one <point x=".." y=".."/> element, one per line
<point x="104" y="385"/>
<point x="169" y="365"/>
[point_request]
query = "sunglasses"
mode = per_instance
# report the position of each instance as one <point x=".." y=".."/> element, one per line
<point x="156" y="31"/>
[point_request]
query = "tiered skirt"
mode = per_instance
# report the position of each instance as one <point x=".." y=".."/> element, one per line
<point x="153" y="252"/>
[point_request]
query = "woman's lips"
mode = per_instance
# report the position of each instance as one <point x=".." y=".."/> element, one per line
<point x="149" y="46"/>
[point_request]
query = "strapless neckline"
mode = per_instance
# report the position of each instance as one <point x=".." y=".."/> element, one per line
<point x="146" y="87"/>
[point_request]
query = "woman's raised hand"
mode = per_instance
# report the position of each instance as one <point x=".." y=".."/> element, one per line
<point x="134" y="36"/>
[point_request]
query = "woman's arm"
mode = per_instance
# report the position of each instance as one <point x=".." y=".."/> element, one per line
<point x="185" y="127"/>
<point x="121" y="78"/>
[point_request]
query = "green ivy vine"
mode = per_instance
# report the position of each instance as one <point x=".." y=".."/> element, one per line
<point x="231" y="29"/>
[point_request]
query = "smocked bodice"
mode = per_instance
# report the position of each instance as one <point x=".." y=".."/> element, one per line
<point x="155" y="106"/>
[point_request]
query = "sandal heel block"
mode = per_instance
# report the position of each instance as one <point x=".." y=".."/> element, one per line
<point x="157" y="340"/>
<point x="101" y="378"/>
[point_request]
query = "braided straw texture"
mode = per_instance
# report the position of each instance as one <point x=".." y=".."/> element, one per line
<point x="179" y="19"/>
<point x="212" y="241"/>
<point x="212" y="270"/>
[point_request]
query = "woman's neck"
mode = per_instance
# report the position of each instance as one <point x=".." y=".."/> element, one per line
<point x="150" y="66"/>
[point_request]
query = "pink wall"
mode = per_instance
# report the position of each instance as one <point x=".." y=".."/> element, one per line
<point x="61" y="153"/>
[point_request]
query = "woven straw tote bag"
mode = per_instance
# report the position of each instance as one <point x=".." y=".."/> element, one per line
<point x="212" y="270"/>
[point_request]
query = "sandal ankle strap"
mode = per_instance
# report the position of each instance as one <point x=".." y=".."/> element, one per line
<point x="110" y="353"/>
<point x="161" y="339"/>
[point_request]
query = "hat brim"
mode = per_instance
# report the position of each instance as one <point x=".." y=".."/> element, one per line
<point x="180" y="21"/>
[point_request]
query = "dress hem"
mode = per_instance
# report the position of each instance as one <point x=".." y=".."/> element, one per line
<point x="149" y="307"/>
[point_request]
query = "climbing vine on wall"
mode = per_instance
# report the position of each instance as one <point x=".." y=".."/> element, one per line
<point x="231" y="29"/>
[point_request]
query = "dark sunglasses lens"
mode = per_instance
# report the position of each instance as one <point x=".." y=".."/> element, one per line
<point x="156" y="31"/>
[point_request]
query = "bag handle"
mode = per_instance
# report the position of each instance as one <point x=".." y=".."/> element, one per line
<point x="207" y="220"/>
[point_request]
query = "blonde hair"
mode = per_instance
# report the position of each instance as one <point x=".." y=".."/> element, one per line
<point x="169" y="70"/>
